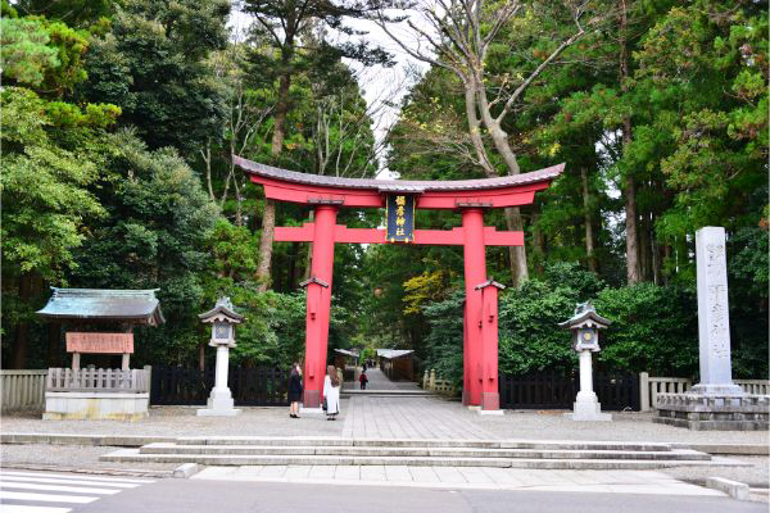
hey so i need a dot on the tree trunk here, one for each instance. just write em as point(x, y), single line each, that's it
point(54, 344)
point(474, 129)
point(202, 356)
point(518, 253)
point(21, 348)
point(281, 109)
point(644, 247)
point(588, 221)
point(291, 276)
point(538, 245)
point(266, 245)
point(632, 246)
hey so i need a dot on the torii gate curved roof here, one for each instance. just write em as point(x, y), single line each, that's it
point(291, 186)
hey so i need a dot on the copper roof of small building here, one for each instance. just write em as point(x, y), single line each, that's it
point(347, 352)
point(402, 186)
point(391, 354)
point(137, 306)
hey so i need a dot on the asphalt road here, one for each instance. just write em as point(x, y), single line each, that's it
point(191, 496)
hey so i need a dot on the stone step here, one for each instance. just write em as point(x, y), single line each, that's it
point(423, 443)
point(133, 456)
point(446, 452)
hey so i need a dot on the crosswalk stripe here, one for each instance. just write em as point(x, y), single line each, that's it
point(63, 481)
point(18, 508)
point(73, 476)
point(43, 497)
point(54, 488)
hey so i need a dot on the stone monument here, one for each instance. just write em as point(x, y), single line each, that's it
point(223, 319)
point(716, 403)
point(585, 325)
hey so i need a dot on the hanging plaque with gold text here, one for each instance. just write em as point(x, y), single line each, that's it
point(400, 214)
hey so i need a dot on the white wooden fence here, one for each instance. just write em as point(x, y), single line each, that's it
point(23, 389)
point(97, 380)
point(650, 387)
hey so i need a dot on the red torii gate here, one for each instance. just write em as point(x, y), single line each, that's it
point(327, 194)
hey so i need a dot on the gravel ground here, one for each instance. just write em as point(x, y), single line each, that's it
point(756, 476)
point(183, 421)
point(551, 425)
point(524, 425)
point(74, 457)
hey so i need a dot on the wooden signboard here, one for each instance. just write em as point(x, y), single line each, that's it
point(100, 343)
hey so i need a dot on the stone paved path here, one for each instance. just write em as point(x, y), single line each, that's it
point(618, 481)
point(379, 381)
point(411, 417)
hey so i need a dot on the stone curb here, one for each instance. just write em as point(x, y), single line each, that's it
point(95, 440)
point(186, 470)
point(140, 440)
point(90, 471)
point(735, 489)
point(733, 449)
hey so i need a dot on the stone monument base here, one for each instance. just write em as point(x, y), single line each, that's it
point(219, 404)
point(587, 408)
point(700, 412)
point(96, 406)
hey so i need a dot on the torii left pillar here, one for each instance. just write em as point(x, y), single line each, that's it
point(319, 300)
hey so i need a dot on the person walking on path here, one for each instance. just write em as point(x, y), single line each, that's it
point(295, 390)
point(363, 380)
point(332, 393)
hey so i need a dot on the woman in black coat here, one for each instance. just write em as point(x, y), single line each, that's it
point(295, 390)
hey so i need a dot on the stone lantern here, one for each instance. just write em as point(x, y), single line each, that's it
point(223, 320)
point(585, 325)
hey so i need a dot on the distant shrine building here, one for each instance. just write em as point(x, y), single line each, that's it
point(401, 198)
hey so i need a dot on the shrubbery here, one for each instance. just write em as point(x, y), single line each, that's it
point(654, 329)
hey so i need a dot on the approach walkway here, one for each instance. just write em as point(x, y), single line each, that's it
point(379, 381)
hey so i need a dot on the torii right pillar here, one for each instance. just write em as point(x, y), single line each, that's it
point(480, 330)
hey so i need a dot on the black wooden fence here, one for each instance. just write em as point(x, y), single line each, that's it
point(554, 390)
point(257, 386)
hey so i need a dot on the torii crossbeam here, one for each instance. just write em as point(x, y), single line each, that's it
point(328, 194)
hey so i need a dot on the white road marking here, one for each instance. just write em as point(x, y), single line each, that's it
point(54, 488)
point(74, 476)
point(63, 481)
point(42, 497)
point(18, 508)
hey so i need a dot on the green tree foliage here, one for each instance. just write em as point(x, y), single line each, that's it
point(154, 236)
point(153, 64)
point(46, 200)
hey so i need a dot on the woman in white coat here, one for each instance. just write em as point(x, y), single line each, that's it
point(332, 393)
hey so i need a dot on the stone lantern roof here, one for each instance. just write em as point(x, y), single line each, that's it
point(585, 317)
point(223, 311)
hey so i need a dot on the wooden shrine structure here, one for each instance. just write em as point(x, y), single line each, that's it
point(99, 393)
point(401, 198)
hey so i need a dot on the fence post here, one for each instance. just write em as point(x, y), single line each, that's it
point(148, 370)
point(425, 378)
point(644, 391)
point(432, 379)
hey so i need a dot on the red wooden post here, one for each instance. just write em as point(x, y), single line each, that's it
point(490, 395)
point(466, 370)
point(475, 273)
point(319, 298)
